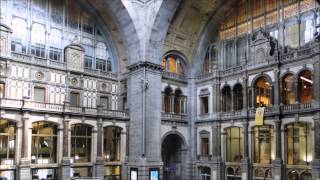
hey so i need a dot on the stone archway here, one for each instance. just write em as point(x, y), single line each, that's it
point(174, 153)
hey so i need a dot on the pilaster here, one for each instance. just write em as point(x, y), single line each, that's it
point(24, 172)
point(65, 162)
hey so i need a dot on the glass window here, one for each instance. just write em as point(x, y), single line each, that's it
point(204, 104)
point(167, 99)
point(299, 145)
point(204, 145)
point(292, 35)
point(38, 50)
point(55, 38)
point(177, 101)
point(7, 142)
point(44, 174)
point(7, 174)
point(80, 143)
point(81, 172)
point(233, 174)
point(234, 144)
point(173, 64)
point(263, 144)
point(38, 34)
point(55, 54)
point(101, 65)
point(262, 92)
point(74, 99)
point(305, 84)
point(204, 173)
point(104, 102)
point(101, 51)
point(88, 62)
point(237, 97)
point(39, 94)
point(112, 172)
point(19, 27)
point(2, 90)
point(306, 33)
point(226, 99)
point(112, 143)
point(109, 66)
point(288, 90)
point(44, 143)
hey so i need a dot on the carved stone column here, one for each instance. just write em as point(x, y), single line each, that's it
point(217, 162)
point(316, 153)
point(245, 161)
point(65, 162)
point(25, 162)
point(277, 163)
point(276, 91)
point(316, 79)
point(99, 165)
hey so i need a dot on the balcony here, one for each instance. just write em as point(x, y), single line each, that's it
point(174, 76)
point(59, 108)
point(296, 107)
point(204, 157)
point(174, 117)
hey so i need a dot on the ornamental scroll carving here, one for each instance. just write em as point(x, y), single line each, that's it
point(74, 57)
point(263, 48)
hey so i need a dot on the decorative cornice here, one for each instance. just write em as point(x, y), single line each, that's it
point(145, 64)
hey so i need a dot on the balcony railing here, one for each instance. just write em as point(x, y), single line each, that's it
point(174, 117)
point(39, 106)
point(295, 107)
point(171, 75)
point(204, 157)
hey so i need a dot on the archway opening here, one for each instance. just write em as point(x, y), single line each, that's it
point(173, 157)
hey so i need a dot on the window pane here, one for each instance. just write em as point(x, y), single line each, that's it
point(112, 143)
point(74, 99)
point(39, 94)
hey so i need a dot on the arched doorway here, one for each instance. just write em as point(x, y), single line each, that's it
point(173, 156)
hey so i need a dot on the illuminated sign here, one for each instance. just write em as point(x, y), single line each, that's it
point(133, 174)
point(154, 174)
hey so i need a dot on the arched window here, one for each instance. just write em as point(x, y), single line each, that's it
point(173, 63)
point(234, 144)
point(291, 32)
point(299, 143)
point(19, 36)
point(293, 175)
point(112, 143)
point(101, 51)
point(306, 28)
point(237, 97)
point(306, 176)
point(167, 99)
point(177, 101)
point(305, 84)
point(263, 144)
point(233, 174)
point(209, 60)
point(55, 45)
point(44, 143)
point(89, 52)
point(38, 34)
point(262, 92)
point(80, 143)
point(226, 99)
point(204, 173)
point(288, 89)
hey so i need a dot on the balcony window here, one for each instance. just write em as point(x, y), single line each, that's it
point(80, 143)
point(262, 92)
point(44, 143)
point(39, 94)
point(88, 62)
point(234, 144)
point(55, 54)
point(177, 101)
point(101, 65)
point(109, 66)
point(204, 104)
point(38, 50)
point(7, 142)
point(288, 89)
point(2, 90)
point(263, 144)
point(237, 97)
point(167, 99)
point(299, 143)
point(205, 146)
point(173, 63)
point(305, 87)
point(204, 173)
point(226, 99)
point(104, 102)
point(18, 47)
point(75, 99)
point(112, 143)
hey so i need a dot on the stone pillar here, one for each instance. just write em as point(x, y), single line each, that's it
point(217, 162)
point(276, 91)
point(25, 162)
point(65, 162)
point(245, 161)
point(277, 166)
point(316, 154)
point(316, 78)
point(216, 96)
point(245, 93)
point(144, 98)
point(99, 165)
